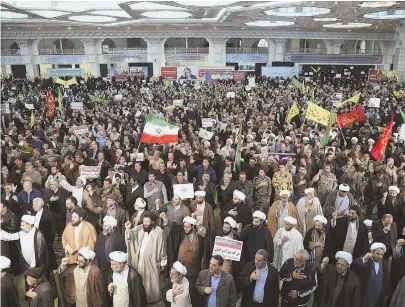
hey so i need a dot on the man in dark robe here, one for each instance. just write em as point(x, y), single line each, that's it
point(124, 292)
point(340, 286)
point(397, 270)
point(9, 223)
point(109, 240)
point(9, 294)
point(40, 293)
point(373, 274)
point(238, 209)
point(228, 231)
point(259, 282)
point(349, 234)
point(256, 236)
point(385, 231)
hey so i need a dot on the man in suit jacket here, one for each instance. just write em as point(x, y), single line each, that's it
point(9, 223)
point(385, 231)
point(134, 191)
point(55, 197)
point(246, 187)
point(259, 282)
point(12, 199)
point(217, 288)
point(45, 221)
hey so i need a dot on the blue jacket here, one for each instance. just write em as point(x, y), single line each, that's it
point(200, 172)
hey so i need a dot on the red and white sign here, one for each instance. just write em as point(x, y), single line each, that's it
point(168, 72)
point(372, 75)
point(89, 171)
point(202, 71)
point(238, 76)
point(81, 130)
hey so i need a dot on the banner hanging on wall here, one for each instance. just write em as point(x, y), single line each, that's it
point(168, 73)
point(132, 72)
point(187, 73)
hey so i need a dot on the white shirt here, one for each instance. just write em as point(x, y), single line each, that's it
point(38, 218)
point(121, 294)
point(26, 242)
point(77, 232)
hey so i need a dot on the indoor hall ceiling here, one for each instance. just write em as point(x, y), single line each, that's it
point(282, 15)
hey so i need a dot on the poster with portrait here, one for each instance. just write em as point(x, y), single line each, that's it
point(187, 73)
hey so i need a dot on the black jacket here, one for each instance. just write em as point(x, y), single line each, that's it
point(389, 239)
point(47, 227)
point(11, 223)
point(326, 249)
point(271, 287)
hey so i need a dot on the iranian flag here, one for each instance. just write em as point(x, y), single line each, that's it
point(159, 131)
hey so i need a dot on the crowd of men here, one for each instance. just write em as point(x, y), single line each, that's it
point(318, 227)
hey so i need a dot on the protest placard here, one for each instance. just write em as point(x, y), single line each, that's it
point(230, 95)
point(207, 122)
point(29, 106)
point(184, 190)
point(81, 130)
point(374, 103)
point(178, 102)
point(76, 105)
point(89, 172)
point(227, 248)
point(205, 134)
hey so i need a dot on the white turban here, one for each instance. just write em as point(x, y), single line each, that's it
point(378, 245)
point(190, 220)
point(230, 141)
point(110, 220)
point(321, 218)
point(285, 192)
point(305, 138)
point(119, 256)
point(5, 263)
point(207, 143)
point(354, 139)
point(291, 220)
point(344, 187)
point(259, 215)
point(309, 190)
point(287, 138)
point(371, 141)
point(345, 256)
point(180, 268)
point(200, 193)
point(30, 219)
point(239, 195)
point(230, 221)
point(87, 253)
point(368, 223)
point(82, 179)
point(394, 188)
point(140, 203)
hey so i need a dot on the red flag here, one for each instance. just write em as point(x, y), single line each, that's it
point(379, 149)
point(50, 105)
point(348, 119)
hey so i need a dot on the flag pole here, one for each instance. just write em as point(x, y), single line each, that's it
point(341, 132)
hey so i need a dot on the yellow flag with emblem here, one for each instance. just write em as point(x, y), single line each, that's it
point(294, 111)
point(60, 100)
point(317, 114)
point(354, 99)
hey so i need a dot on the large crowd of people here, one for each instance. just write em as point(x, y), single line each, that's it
point(310, 224)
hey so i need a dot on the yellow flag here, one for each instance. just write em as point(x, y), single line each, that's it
point(298, 85)
point(294, 111)
point(354, 99)
point(60, 100)
point(32, 124)
point(398, 94)
point(60, 81)
point(317, 114)
point(71, 81)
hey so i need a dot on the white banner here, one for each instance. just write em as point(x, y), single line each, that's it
point(227, 248)
point(205, 134)
point(230, 95)
point(81, 130)
point(285, 72)
point(5, 108)
point(89, 171)
point(29, 106)
point(184, 190)
point(137, 156)
point(207, 122)
point(374, 103)
point(76, 105)
point(118, 97)
point(252, 82)
point(178, 102)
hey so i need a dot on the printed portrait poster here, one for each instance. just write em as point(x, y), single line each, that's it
point(187, 73)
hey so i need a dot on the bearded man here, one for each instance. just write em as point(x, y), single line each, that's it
point(279, 210)
point(307, 208)
point(389, 202)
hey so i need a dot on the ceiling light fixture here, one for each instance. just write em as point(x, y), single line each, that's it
point(269, 23)
point(391, 14)
point(99, 28)
point(340, 25)
point(166, 15)
point(12, 15)
point(205, 3)
point(49, 14)
point(69, 28)
point(111, 13)
point(297, 11)
point(143, 6)
point(326, 19)
point(92, 18)
point(374, 4)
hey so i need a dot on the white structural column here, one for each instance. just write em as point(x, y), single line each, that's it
point(400, 48)
point(91, 49)
point(387, 50)
point(217, 51)
point(337, 44)
point(156, 53)
point(329, 46)
point(279, 44)
point(26, 52)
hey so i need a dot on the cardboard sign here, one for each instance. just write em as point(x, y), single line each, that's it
point(207, 122)
point(29, 106)
point(230, 95)
point(89, 172)
point(227, 248)
point(184, 191)
point(178, 102)
point(337, 76)
point(374, 103)
point(118, 97)
point(311, 73)
point(76, 105)
point(205, 134)
point(81, 130)
point(252, 82)
point(248, 88)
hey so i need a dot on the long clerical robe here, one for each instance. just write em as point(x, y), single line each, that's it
point(274, 216)
point(87, 236)
point(9, 294)
point(286, 250)
point(306, 211)
point(182, 300)
point(147, 254)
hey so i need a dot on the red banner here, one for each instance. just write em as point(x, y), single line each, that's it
point(238, 76)
point(348, 119)
point(50, 105)
point(202, 71)
point(168, 72)
point(379, 149)
point(372, 75)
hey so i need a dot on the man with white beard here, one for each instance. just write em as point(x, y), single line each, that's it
point(307, 208)
point(76, 190)
point(287, 242)
point(177, 290)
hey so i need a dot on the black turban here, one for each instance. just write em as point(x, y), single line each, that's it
point(80, 212)
point(150, 215)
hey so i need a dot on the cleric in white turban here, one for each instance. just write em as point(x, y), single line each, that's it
point(279, 210)
point(307, 208)
point(9, 294)
point(287, 241)
point(178, 293)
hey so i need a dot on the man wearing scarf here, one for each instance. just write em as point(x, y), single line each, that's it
point(146, 247)
point(279, 210)
point(307, 208)
point(316, 241)
point(348, 234)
